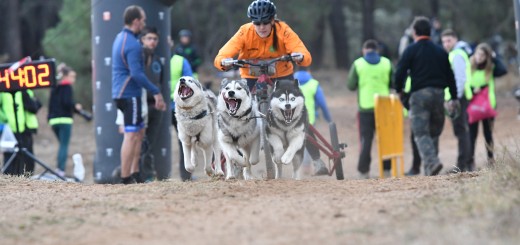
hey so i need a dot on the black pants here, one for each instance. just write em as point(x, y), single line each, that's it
point(461, 131)
point(21, 164)
point(367, 128)
point(185, 175)
point(416, 161)
point(147, 168)
point(487, 125)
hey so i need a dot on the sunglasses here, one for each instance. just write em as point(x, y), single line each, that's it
point(265, 22)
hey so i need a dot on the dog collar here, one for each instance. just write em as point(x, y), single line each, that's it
point(200, 116)
point(245, 113)
point(186, 107)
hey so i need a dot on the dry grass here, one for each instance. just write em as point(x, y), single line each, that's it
point(483, 208)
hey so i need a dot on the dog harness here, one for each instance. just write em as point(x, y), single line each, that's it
point(200, 115)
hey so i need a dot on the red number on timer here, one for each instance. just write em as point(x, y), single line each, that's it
point(29, 76)
point(43, 75)
point(29, 82)
point(4, 78)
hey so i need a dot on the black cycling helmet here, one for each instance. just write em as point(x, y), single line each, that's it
point(184, 33)
point(261, 10)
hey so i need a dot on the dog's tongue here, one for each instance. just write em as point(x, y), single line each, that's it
point(288, 114)
point(185, 91)
point(232, 104)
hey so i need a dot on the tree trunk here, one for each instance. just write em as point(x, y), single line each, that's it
point(13, 40)
point(316, 44)
point(339, 34)
point(368, 19)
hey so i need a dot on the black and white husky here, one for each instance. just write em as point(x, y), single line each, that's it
point(238, 127)
point(196, 124)
point(287, 122)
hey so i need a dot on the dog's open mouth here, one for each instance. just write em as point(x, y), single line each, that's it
point(288, 115)
point(185, 91)
point(232, 105)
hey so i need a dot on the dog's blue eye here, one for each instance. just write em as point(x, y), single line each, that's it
point(293, 99)
point(239, 88)
point(282, 99)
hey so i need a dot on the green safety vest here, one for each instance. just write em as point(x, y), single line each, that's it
point(309, 92)
point(407, 88)
point(26, 120)
point(31, 121)
point(374, 79)
point(478, 79)
point(176, 64)
point(467, 87)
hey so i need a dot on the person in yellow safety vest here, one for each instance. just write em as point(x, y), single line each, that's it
point(484, 69)
point(314, 98)
point(458, 57)
point(370, 75)
point(179, 66)
point(20, 110)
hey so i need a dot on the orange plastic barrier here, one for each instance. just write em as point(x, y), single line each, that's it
point(389, 132)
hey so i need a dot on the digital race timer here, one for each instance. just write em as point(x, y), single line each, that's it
point(29, 75)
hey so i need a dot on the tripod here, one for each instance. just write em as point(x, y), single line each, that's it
point(22, 150)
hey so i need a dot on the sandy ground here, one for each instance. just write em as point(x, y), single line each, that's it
point(206, 211)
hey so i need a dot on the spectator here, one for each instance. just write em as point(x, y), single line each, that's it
point(20, 111)
point(155, 72)
point(370, 75)
point(61, 110)
point(314, 99)
point(484, 69)
point(188, 50)
point(405, 41)
point(430, 72)
point(462, 70)
point(179, 66)
point(436, 31)
point(128, 79)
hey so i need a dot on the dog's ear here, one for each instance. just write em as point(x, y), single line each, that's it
point(296, 83)
point(243, 81)
point(223, 82)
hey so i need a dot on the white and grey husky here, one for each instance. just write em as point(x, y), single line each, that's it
point(238, 127)
point(196, 124)
point(287, 122)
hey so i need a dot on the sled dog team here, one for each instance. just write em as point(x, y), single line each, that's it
point(231, 124)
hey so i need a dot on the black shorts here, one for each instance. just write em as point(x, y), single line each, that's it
point(132, 113)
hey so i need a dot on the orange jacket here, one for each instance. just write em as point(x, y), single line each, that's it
point(248, 45)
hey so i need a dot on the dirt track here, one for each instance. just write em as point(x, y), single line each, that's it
point(313, 210)
point(217, 212)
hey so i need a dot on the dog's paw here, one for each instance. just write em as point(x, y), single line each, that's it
point(277, 159)
point(189, 168)
point(230, 177)
point(209, 171)
point(219, 173)
point(287, 158)
point(238, 160)
point(248, 177)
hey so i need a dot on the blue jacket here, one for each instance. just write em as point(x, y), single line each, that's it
point(128, 77)
point(303, 77)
